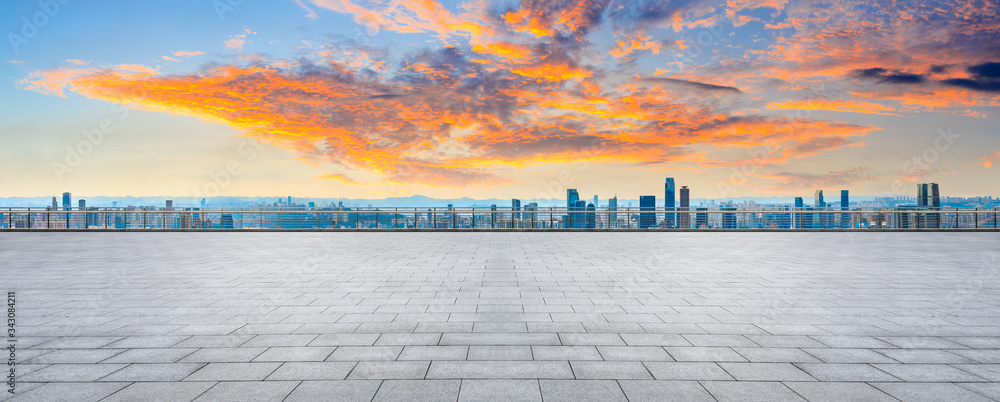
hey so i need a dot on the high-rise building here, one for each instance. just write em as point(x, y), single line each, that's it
point(728, 219)
point(493, 215)
point(669, 202)
point(572, 196)
point(226, 222)
point(928, 197)
point(55, 204)
point(169, 205)
point(797, 217)
point(67, 201)
point(515, 207)
point(595, 201)
point(683, 218)
point(591, 216)
point(289, 200)
point(820, 219)
point(578, 215)
point(647, 219)
point(203, 203)
point(845, 204)
point(530, 216)
point(612, 215)
point(83, 205)
point(701, 220)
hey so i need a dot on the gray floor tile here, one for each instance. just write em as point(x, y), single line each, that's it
point(500, 390)
point(248, 391)
point(928, 373)
point(938, 392)
point(750, 391)
point(434, 353)
point(591, 370)
point(160, 392)
point(69, 392)
point(696, 371)
point(565, 353)
point(499, 370)
point(766, 372)
point(645, 390)
point(500, 353)
point(310, 371)
point(581, 390)
point(350, 390)
point(154, 372)
point(381, 370)
point(414, 390)
point(845, 372)
point(838, 391)
point(233, 372)
point(294, 354)
point(365, 353)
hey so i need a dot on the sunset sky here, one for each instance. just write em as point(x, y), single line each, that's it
point(482, 98)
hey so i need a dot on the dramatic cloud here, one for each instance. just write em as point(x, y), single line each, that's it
point(796, 183)
point(506, 85)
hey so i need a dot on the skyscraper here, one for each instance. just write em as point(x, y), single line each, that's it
point(595, 201)
point(845, 203)
point(572, 196)
point(169, 205)
point(289, 200)
point(83, 205)
point(820, 219)
point(532, 215)
point(701, 220)
point(797, 218)
point(578, 215)
point(728, 219)
point(515, 207)
point(591, 216)
point(684, 218)
point(928, 197)
point(55, 204)
point(669, 202)
point(67, 201)
point(612, 216)
point(647, 219)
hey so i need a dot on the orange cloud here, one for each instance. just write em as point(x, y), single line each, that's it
point(336, 177)
point(987, 160)
point(836, 105)
point(181, 53)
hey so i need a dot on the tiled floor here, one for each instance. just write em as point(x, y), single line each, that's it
point(505, 316)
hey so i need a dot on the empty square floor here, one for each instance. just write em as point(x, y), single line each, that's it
point(467, 316)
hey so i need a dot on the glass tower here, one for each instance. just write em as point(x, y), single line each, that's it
point(647, 219)
point(668, 201)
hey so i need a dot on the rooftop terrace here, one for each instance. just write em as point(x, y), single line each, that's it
point(462, 316)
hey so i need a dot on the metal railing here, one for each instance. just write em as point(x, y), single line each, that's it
point(486, 218)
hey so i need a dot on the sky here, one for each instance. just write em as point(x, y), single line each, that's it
point(498, 98)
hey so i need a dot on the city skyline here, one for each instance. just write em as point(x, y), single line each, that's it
point(927, 195)
point(484, 99)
